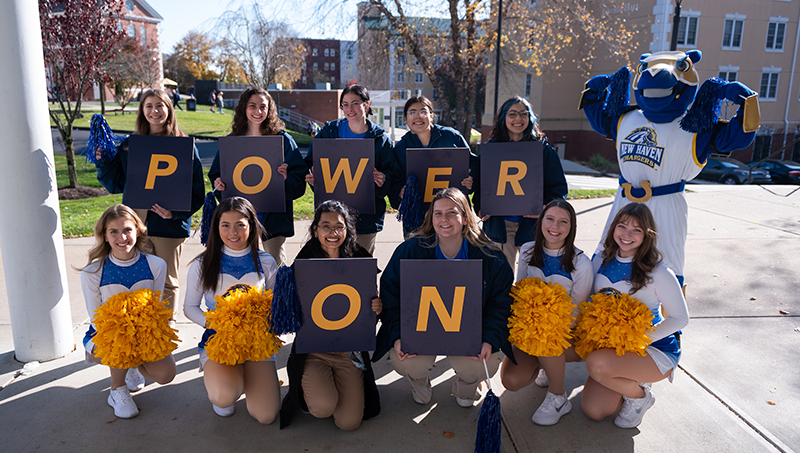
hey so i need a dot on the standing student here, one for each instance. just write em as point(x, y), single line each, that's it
point(552, 257)
point(118, 263)
point(516, 122)
point(631, 263)
point(338, 384)
point(232, 258)
point(220, 102)
point(355, 105)
point(167, 230)
point(423, 133)
point(256, 115)
point(449, 231)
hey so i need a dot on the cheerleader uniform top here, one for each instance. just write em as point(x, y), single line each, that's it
point(577, 283)
point(104, 278)
point(663, 292)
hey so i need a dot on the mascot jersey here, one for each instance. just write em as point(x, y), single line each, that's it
point(236, 268)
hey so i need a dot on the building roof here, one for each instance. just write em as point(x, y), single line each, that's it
point(149, 10)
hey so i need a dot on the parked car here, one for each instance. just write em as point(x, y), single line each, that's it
point(782, 171)
point(727, 170)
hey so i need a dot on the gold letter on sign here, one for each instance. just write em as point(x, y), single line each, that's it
point(430, 296)
point(505, 178)
point(154, 171)
point(237, 175)
point(432, 184)
point(350, 181)
point(316, 307)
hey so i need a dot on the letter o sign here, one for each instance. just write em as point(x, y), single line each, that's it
point(244, 163)
point(316, 307)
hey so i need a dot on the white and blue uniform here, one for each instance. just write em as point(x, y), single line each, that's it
point(577, 283)
point(663, 291)
point(104, 278)
point(236, 268)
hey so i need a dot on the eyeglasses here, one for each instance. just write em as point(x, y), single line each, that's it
point(327, 229)
point(354, 104)
point(414, 113)
point(513, 114)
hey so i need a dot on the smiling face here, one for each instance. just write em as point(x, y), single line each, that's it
point(629, 236)
point(331, 232)
point(155, 112)
point(418, 118)
point(354, 108)
point(257, 109)
point(556, 226)
point(517, 121)
point(121, 236)
point(448, 221)
point(234, 230)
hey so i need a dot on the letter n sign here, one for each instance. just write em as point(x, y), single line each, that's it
point(249, 168)
point(511, 178)
point(336, 296)
point(159, 172)
point(343, 170)
point(441, 306)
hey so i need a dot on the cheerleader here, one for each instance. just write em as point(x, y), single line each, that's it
point(232, 257)
point(118, 263)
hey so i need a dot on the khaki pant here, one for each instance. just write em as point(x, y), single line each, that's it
point(367, 241)
point(333, 385)
point(509, 249)
point(275, 248)
point(469, 373)
point(169, 250)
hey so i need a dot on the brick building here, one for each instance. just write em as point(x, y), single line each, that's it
point(322, 65)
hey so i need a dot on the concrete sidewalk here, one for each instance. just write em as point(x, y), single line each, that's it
point(737, 389)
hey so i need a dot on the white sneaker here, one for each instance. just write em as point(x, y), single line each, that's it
point(134, 380)
point(552, 409)
point(120, 399)
point(415, 396)
point(224, 411)
point(465, 402)
point(541, 379)
point(633, 409)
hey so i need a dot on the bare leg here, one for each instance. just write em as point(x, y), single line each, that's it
point(555, 369)
point(521, 375)
point(598, 402)
point(262, 392)
point(162, 371)
point(224, 383)
point(117, 374)
point(623, 374)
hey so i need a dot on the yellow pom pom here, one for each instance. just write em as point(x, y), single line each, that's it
point(240, 319)
point(615, 321)
point(133, 328)
point(541, 315)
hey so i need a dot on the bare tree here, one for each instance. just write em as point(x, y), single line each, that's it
point(134, 66)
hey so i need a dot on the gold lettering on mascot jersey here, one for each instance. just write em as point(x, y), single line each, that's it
point(641, 145)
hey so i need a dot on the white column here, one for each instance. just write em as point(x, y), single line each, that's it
point(30, 222)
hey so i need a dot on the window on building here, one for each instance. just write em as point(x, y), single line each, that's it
point(732, 35)
point(418, 92)
point(131, 31)
point(418, 77)
point(528, 81)
point(349, 67)
point(349, 54)
point(305, 66)
point(333, 52)
point(316, 66)
point(776, 32)
point(305, 80)
point(401, 60)
point(399, 119)
point(333, 66)
point(728, 76)
point(325, 52)
point(314, 52)
point(769, 84)
point(416, 62)
point(129, 5)
point(143, 36)
point(327, 66)
point(401, 77)
point(435, 95)
point(333, 80)
point(403, 94)
point(762, 146)
point(687, 31)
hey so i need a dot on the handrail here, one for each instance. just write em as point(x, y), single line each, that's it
point(750, 173)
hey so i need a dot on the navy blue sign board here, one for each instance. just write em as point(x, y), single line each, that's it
point(512, 181)
point(343, 170)
point(436, 169)
point(249, 168)
point(159, 172)
point(336, 295)
point(441, 307)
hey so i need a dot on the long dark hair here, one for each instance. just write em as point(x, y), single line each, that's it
point(211, 257)
point(537, 253)
point(647, 255)
point(347, 248)
point(500, 130)
point(272, 124)
point(360, 91)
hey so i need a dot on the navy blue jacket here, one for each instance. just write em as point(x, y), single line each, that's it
point(112, 174)
point(441, 137)
point(555, 186)
point(279, 223)
point(497, 280)
point(384, 163)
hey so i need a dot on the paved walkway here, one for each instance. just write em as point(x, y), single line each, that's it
point(737, 389)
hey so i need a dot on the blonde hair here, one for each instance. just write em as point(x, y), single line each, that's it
point(101, 248)
point(171, 128)
point(471, 230)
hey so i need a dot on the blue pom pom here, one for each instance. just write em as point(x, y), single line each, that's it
point(102, 143)
point(286, 314)
point(410, 211)
point(704, 113)
point(209, 205)
point(489, 425)
point(619, 97)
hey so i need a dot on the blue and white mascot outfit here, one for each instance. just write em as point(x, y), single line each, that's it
point(660, 145)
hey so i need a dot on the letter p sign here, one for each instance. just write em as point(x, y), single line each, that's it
point(155, 169)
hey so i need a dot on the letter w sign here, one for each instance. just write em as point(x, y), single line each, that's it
point(343, 171)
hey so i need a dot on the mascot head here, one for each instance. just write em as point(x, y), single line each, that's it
point(665, 84)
